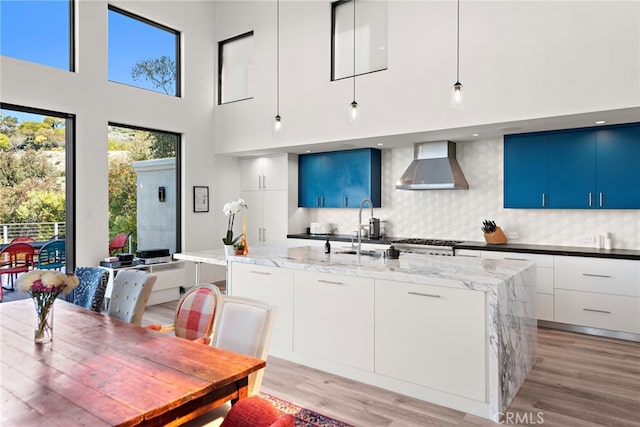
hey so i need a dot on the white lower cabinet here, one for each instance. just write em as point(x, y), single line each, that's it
point(613, 312)
point(599, 293)
point(274, 286)
point(333, 318)
point(169, 277)
point(433, 336)
point(545, 278)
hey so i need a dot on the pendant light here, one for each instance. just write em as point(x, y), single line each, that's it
point(456, 95)
point(354, 114)
point(277, 120)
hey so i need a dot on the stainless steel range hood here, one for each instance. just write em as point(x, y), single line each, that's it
point(434, 168)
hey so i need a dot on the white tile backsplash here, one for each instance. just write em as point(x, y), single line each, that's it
point(458, 214)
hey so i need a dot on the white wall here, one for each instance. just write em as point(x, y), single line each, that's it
point(519, 60)
point(95, 101)
point(458, 214)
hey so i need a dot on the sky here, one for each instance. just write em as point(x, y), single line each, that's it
point(38, 31)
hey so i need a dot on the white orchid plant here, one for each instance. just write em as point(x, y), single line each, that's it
point(230, 209)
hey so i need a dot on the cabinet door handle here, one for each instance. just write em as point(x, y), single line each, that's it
point(543, 200)
point(590, 199)
point(346, 201)
point(424, 295)
point(259, 181)
point(601, 199)
point(330, 282)
point(468, 256)
point(517, 259)
point(597, 311)
point(596, 275)
point(264, 181)
point(264, 234)
point(264, 273)
point(322, 201)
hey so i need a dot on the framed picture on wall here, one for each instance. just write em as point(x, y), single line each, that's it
point(200, 199)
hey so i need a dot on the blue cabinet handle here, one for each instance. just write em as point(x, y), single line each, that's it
point(601, 199)
point(591, 200)
point(543, 200)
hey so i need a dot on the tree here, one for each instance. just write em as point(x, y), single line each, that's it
point(25, 178)
point(8, 125)
point(161, 72)
point(164, 146)
point(122, 197)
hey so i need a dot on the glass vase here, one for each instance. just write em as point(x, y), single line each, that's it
point(43, 333)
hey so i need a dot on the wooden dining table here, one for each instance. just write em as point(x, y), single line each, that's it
point(101, 371)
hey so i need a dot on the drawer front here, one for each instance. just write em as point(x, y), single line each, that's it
point(606, 276)
point(613, 312)
point(412, 320)
point(544, 307)
point(540, 260)
point(467, 253)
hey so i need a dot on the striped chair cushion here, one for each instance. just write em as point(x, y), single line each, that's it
point(194, 318)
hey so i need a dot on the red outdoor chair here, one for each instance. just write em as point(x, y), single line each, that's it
point(118, 243)
point(23, 239)
point(15, 258)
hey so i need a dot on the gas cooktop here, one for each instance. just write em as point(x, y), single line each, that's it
point(428, 242)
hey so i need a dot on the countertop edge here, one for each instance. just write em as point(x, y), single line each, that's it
point(580, 251)
point(585, 252)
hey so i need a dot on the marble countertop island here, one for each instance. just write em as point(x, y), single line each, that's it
point(510, 288)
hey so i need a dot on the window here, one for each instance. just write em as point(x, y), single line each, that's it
point(370, 33)
point(143, 54)
point(38, 31)
point(235, 68)
point(37, 176)
point(144, 187)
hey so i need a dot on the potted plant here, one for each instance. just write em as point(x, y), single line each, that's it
point(238, 247)
point(230, 209)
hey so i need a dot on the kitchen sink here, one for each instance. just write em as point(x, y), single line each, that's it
point(373, 254)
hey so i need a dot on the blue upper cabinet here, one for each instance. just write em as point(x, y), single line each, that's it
point(618, 167)
point(339, 179)
point(320, 180)
point(526, 171)
point(361, 177)
point(596, 168)
point(571, 169)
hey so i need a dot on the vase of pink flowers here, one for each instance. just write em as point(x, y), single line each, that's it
point(44, 286)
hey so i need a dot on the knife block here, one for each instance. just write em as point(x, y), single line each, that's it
point(496, 238)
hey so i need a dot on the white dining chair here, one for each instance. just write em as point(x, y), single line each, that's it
point(130, 294)
point(243, 326)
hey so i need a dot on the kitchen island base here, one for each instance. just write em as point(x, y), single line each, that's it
point(460, 333)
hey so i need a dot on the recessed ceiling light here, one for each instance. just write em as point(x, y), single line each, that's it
point(379, 143)
point(307, 151)
point(601, 122)
point(475, 134)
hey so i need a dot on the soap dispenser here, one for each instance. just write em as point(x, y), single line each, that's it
point(327, 247)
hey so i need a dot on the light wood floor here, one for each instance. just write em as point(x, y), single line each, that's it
point(578, 380)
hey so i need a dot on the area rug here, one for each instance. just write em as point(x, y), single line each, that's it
point(304, 417)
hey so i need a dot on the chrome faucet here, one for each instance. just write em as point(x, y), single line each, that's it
point(360, 223)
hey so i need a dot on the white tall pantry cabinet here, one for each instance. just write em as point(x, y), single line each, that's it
point(265, 184)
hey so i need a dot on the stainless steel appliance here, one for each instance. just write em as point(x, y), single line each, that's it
point(426, 246)
point(434, 168)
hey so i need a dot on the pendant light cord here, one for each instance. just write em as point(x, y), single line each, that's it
point(278, 57)
point(458, 47)
point(354, 50)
